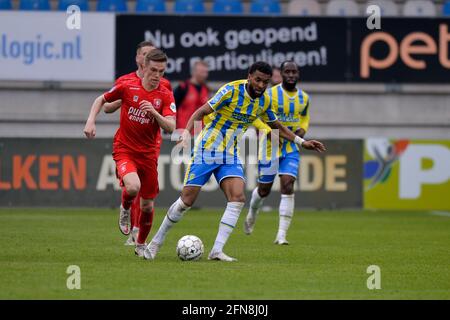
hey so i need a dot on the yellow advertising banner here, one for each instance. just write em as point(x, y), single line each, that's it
point(407, 174)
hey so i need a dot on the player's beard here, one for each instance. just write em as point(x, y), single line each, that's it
point(253, 93)
point(290, 86)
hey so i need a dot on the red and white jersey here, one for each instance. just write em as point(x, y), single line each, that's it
point(139, 132)
point(132, 77)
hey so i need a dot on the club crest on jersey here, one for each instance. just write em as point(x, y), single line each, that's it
point(157, 103)
point(135, 98)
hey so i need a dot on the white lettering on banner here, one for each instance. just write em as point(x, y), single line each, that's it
point(233, 39)
point(268, 37)
point(107, 175)
point(48, 52)
point(412, 176)
point(177, 176)
point(233, 61)
point(174, 65)
point(200, 39)
point(161, 40)
point(163, 160)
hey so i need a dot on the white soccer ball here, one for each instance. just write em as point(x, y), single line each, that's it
point(190, 248)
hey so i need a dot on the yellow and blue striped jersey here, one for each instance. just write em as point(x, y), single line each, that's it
point(292, 110)
point(234, 112)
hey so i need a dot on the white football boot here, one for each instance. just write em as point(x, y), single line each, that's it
point(219, 255)
point(124, 221)
point(249, 224)
point(151, 250)
point(131, 241)
point(139, 249)
point(281, 241)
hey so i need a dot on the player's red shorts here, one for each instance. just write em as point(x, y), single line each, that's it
point(146, 168)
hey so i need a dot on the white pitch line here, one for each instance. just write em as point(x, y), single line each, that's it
point(440, 213)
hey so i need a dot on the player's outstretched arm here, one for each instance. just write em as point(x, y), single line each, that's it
point(198, 115)
point(112, 107)
point(289, 135)
point(89, 128)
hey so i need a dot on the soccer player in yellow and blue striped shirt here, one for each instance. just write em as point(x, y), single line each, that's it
point(292, 107)
point(234, 108)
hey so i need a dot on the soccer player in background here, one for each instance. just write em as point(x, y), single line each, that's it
point(142, 49)
point(276, 77)
point(191, 94)
point(146, 108)
point(235, 106)
point(292, 107)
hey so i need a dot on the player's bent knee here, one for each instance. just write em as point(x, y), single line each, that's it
point(263, 192)
point(147, 208)
point(132, 189)
point(187, 200)
point(287, 189)
point(237, 198)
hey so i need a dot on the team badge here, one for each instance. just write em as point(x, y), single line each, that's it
point(135, 98)
point(173, 107)
point(157, 103)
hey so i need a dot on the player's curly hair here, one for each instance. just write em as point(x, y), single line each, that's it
point(260, 66)
point(155, 55)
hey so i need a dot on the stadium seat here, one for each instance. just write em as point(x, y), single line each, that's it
point(342, 8)
point(5, 5)
point(446, 9)
point(419, 8)
point(388, 7)
point(64, 4)
point(227, 6)
point(34, 5)
point(112, 5)
point(189, 6)
point(265, 7)
point(303, 8)
point(150, 6)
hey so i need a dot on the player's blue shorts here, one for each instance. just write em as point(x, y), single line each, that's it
point(199, 173)
point(285, 165)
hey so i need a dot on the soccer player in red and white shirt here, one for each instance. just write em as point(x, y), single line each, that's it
point(143, 48)
point(146, 108)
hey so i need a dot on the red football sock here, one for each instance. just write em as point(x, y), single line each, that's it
point(127, 200)
point(135, 211)
point(145, 225)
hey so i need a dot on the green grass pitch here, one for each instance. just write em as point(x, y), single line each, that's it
point(327, 259)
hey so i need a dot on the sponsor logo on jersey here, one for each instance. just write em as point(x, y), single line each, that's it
point(242, 117)
point(288, 117)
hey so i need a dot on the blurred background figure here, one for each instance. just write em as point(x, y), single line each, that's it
point(276, 77)
point(192, 93)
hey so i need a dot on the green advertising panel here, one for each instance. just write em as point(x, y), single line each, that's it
point(407, 174)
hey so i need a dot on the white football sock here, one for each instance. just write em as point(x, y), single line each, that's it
point(255, 204)
point(286, 213)
point(227, 224)
point(174, 214)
